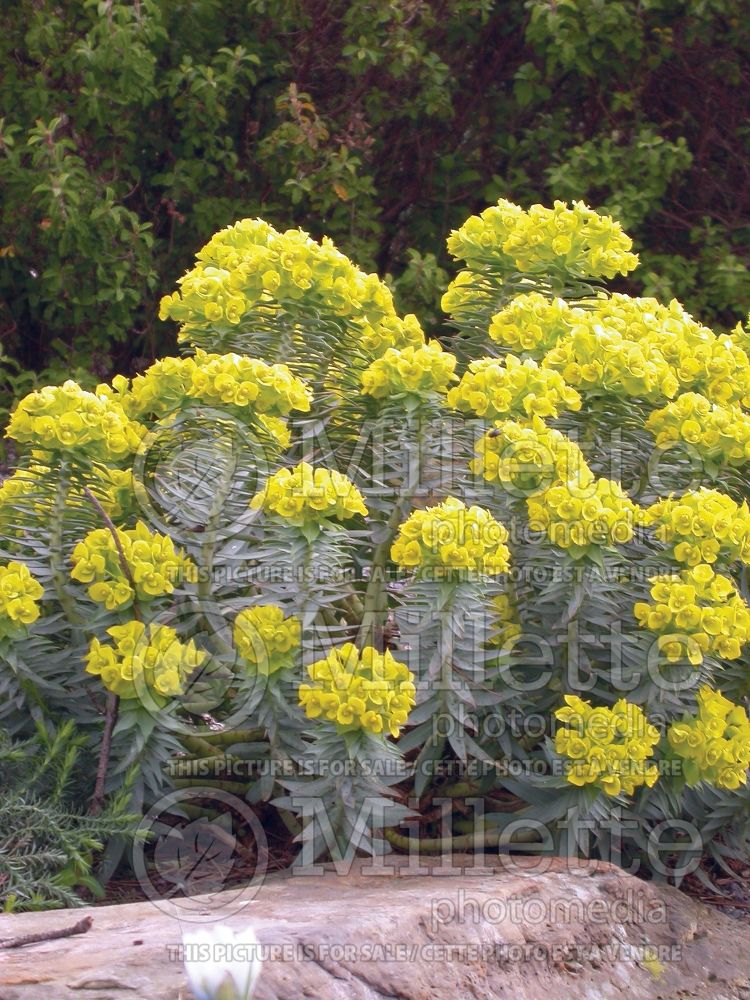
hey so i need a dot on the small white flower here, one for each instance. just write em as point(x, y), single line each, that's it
point(222, 964)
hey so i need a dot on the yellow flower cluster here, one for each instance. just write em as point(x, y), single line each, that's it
point(609, 748)
point(19, 593)
point(620, 343)
point(21, 494)
point(359, 690)
point(695, 611)
point(627, 344)
point(452, 537)
point(720, 434)
point(702, 526)
point(723, 371)
point(235, 380)
point(392, 331)
point(573, 239)
point(304, 495)
point(506, 626)
point(67, 418)
point(526, 458)
point(152, 560)
point(218, 380)
point(161, 389)
point(416, 371)
point(144, 656)
point(716, 366)
point(575, 516)
point(597, 357)
point(467, 291)
point(481, 237)
point(26, 495)
point(277, 429)
point(715, 743)
point(251, 263)
point(494, 389)
point(637, 318)
point(532, 324)
point(265, 638)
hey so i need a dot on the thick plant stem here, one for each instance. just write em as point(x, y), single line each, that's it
point(201, 746)
point(467, 842)
point(353, 606)
point(375, 603)
point(233, 787)
point(462, 789)
point(442, 659)
point(304, 595)
point(68, 605)
point(207, 553)
point(218, 737)
point(191, 758)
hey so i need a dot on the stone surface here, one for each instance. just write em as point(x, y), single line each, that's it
point(521, 929)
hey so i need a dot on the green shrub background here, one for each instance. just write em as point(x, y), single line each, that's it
point(129, 131)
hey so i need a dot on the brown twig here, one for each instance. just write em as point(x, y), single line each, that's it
point(725, 901)
point(115, 538)
point(18, 942)
point(110, 719)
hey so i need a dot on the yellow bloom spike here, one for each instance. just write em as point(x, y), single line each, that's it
point(714, 744)
point(527, 458)
point(702, 527)
point(365, 690)
point(716, 366)
point(154, 564)
point(695, 612)
point(19, 594)
point(720, 434)
point(251, 264)
point(68, 419)
point(144, 658)
point(574, 239)
point(413, 371)
point(305, 495)
point(222, 380)
point(595, 357)
point(576, 516)
point(266, 639)
point(609, 748)
point(532, 324)
point(627, 345)
point(497, 389)
point(451, 539)
point(391, 332)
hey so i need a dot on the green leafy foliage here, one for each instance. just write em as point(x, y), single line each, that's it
point(321, 564)
point(48, 846)
point(128, 131)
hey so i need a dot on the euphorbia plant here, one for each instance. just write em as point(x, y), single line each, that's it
point(381, 563)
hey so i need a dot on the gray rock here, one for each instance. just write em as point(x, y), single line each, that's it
point(444, 929)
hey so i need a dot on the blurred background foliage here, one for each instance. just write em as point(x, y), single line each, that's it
point(131, 131)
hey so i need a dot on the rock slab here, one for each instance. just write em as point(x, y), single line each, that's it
point(448, 929)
